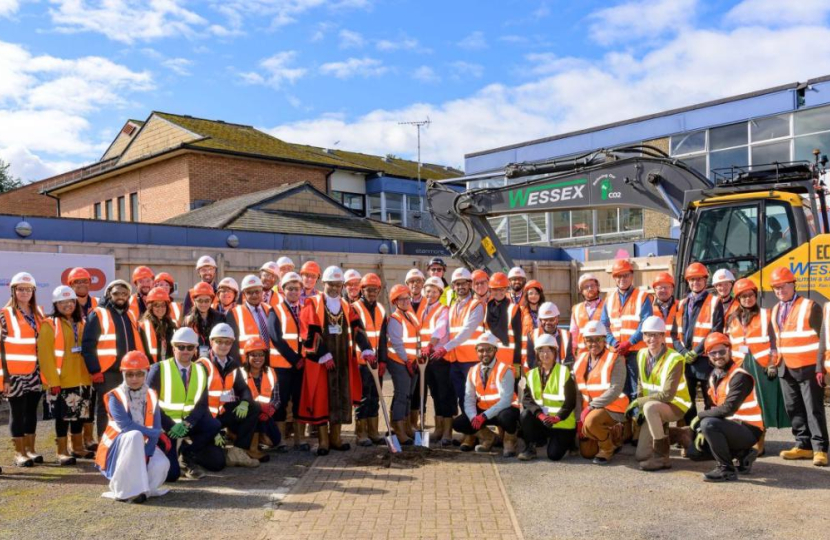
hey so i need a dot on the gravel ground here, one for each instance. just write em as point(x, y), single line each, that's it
point(575, 499)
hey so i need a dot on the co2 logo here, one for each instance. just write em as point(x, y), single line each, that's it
point(97, 282)
point(614, 195)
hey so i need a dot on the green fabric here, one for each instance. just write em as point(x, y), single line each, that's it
point(768, 393)
point(553, 397)
point(175, 403)
point(656, 382)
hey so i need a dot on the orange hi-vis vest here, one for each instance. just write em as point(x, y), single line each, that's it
point(563, 338)
point(372, 323)
point(506, 352)
point(733, 307)
point(487, 395)
point(248, 326)
point(704, 323)
point(133, 307)
point(750, 411)
point(176, 313)
point(580, 318)
point(146, 328)
point(112, 431)
point(20, 343)
point(625, 319)
point(464, 352)
point(797, 342)
point(107, 348)
point(752, 338)
point(411, 336)
point(669, 319)
point(290, 334)
point(60, 343)
point(429, 319)
point(216, 385)
point(267, 384)
point(827, 338)
point(596, 382)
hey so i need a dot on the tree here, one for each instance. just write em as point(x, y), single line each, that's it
point(8, 182)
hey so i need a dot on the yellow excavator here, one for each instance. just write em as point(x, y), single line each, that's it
point(749, 220)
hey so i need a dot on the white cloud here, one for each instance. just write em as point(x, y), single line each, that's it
point(178, 65)
point(322, 30)
point(281, 12)
point(641, 20)
point(466, 70)
point(474, 41)
point(425, 74)
point(29, 166)
point(9, 7)
point(777, 13)
point(351, 40)
point(402, 44)
point(278, 70)
point(354, 67)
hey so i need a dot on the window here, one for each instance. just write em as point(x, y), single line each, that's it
point(352, 201)
point(394, 208)
point(518, 229)
point(698, 163)
point(607, 222)
point(375, 211)
point(133, 206)
point(631, 219)
point(560, 223)
point(499, 225)
point(537, 229)
point(109, 214)
point(812, 120)
point(779, 231)
point(727, 237)
point(122, 208)
point(736, 157)
point(582, 223)
point(804, 146)
point(728, 136)
point(770, 153)
point(774, 127)
point(97, 210)
point(687, 143)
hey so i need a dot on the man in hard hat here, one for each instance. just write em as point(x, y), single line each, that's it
point(590, 309)
point(489, 400)
point(664, 305)
point(625, 310)
point(206, 268)
point(269, 273)
point(600, 377)
point(723, 280)
point(437, 268)
point(481, 286)
point(796, 322)
point(503, 319)
point(80, 280)
point(518, 279)
point(250, 316)
point(310, 273)
point(415, 281)
point(548, 325)
point(331, 379)
point(548, 400)
point(698, 315)
point(111, 331)
point(143, 279)
point(662, 396)
point(352, 286)
point(182, 387)
point(285, 265)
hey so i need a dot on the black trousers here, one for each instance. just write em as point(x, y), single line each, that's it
point(369, 401)
point(111, 380)
point(244, 428)
point(440, 388)
point(727, 439)
point(508, 420)
point(558, 441)
point(290, 382)
point(693, 383)
point(804, 402)
point(62, 427)
point(202, 449)
point(23, 418)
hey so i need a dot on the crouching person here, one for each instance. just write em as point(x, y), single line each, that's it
point(128, 454)
point(489, 400)
point(548, 400)
point(263, 384)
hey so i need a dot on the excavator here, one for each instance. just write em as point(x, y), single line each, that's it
point(749, 220)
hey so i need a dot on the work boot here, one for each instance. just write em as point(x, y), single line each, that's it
point(486, 439)
point(529, 453)
point(745, 462)
point(282, 446)
point(322, 440)
point(659, 456)
point(373, 434)
point(20, 457)
point(265, 443)
point(415, 420)
point(298, 430)
point(79, 450)
point(438, 430)
point(446, 438)
point(407, 424)
point(336, 443)
point(237, 457)
point(399, 428)
point(254, 452)
point(189, 468)
point(820, 459)
point(30, 449)
point(720, 474)
point(468, 443)
point(63, 454)
point(361, 432)
point(89, 438)
point(759, 446)
point(510, 440)
point(797, 453)
point(682, 437)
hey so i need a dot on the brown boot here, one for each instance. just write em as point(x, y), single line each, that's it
point(415, 420)
point(759, 446)
point(282, 427)
point(79, 451)
point(30, 449)
point(372, 430)
point(399, 428)
point(446, 438)
point(336, 442)
point(486, 439)
point(254, 452)
point(510, 440)
point(20, 457)
point(322, 440)
point(89, 438)
point(438, 430)
point(361, 432)
point(63, 455)
point(659, 456)
point(407, 424)
point(680, 436)
point(468, 443)
point(299, 431)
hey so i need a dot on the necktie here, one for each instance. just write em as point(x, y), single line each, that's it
point(260, 321)
point(785, 310)
point(295, 310)
point(184, 378)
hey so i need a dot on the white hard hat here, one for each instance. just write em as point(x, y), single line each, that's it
point(228, 282)
point(487, 338)
point(516, 272)
point(435, 282)
point(62, 293)
point(23, 278)
point(205, 260)
point(185, 335)
point(414, 273)
point(285, 261)
point(333, 274)
point(461, 274)
point(222, 330)
point(722, 276)
point(548, 310)
point(351, 275)
point(585, 277)
point(251, 281)
point(289, 277)
point(594, 329)
point(271, 267)
point(654, 324)
point(117, 283)
point(546, 340)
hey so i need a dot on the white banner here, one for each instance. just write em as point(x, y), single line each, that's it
point(50, 270)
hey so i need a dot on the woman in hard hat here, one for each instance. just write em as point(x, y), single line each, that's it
point(132, 450)
point(165, 282)
point(157, 326)
point(734, 423)
point(69, 383)
point(227, 294)
point(404, 352)
point(262, 382)
point(588, 310)
point(203, 318)
point(206, 268)
point(754, 349)
point(20, 321)
point(435, 322)
point(723, 281)
point(481, 286)
point(548, 401)
point(534, 296)
point(352, 286)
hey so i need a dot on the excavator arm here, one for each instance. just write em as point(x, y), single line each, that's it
point(631, 177)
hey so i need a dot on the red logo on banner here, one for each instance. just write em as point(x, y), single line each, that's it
point(97, 283)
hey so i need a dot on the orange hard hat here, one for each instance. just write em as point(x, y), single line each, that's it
point(396, 292)
point(255, 343)
point(202, 289)
point(621, 266)
point(480, 275)
point(77, 273)
point(533, 284)
point(311, 267)
point(714, 339)
point(662, 277)
point(744, 285)
point(157, 294)
point(135, 360)
point(499, 281)
point(696, 270)
point(781, 276)
point(370, 280)
point(164, 276)
point(142, 272)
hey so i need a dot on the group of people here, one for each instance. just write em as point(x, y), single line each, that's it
point(242, 369)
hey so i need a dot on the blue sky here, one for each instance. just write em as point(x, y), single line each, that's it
point(344, 72)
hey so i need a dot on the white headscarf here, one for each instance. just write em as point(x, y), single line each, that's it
point(137, 400)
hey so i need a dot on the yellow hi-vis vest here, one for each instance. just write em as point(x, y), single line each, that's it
point(175, 402)
point(656, 382)
point(552, 397)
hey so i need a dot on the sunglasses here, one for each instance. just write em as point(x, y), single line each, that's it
point(186, 347)
point(718, 354)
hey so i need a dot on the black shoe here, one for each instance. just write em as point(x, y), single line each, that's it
point(600, 461)
point(408, 442)
point(264, 459)
point(322, 451)
point(720, 475)
point(745, 462)
point(302, 447)
point(138, 499)
point(456, 442)
point(342, 448)
point(466, 448)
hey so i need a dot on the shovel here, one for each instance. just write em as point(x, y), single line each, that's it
point(392, 441)
point(422, 436)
